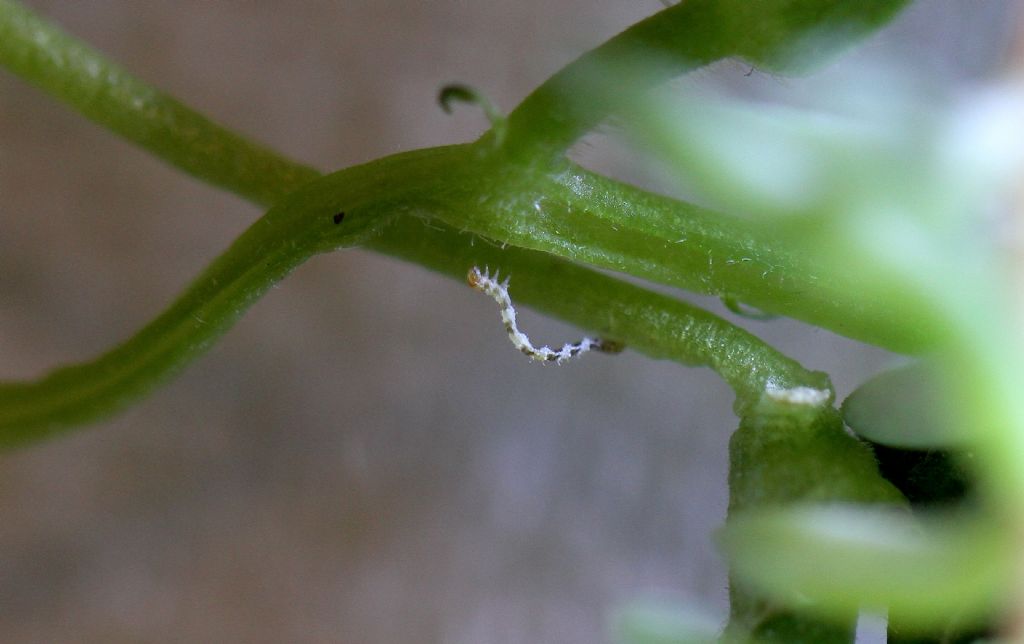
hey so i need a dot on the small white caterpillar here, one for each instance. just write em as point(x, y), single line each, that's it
point(482, 281)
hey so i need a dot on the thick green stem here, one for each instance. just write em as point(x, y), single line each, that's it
point(383, 203)
point(784, 455)
point(656, 325)
point(780, 35)
point(570, 212)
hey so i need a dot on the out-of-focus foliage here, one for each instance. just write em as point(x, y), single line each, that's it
point(897, 198)
point(868, 214)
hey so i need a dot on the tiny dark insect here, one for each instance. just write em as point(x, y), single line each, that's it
point(338, 217)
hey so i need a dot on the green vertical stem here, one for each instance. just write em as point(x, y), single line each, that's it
point(783, 455)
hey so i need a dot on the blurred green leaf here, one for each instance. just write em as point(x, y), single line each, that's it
point(795, 36)
point(657, 622)
point(831, 560)
point(783, 454)
point(906, 407)
point(785, 36)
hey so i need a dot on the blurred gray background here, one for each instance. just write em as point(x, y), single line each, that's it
point(364, 458)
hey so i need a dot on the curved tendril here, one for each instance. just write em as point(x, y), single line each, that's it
point(467, 94)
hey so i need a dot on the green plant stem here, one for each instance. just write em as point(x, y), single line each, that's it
point(521, 194)
point(656, 325)
point(779, 458)
point(554, 206)
point(583, 216)
point(385, 203)
point(300, 226)
point(79, 76)
point(709, 253)
point(784, 36)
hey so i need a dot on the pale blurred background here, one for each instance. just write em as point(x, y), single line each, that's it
point(364, 458)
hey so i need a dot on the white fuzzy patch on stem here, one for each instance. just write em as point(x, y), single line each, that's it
point(797, 395)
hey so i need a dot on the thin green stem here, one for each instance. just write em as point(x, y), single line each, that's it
point(656, 325)
point(76, 74)
point(301, 225)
